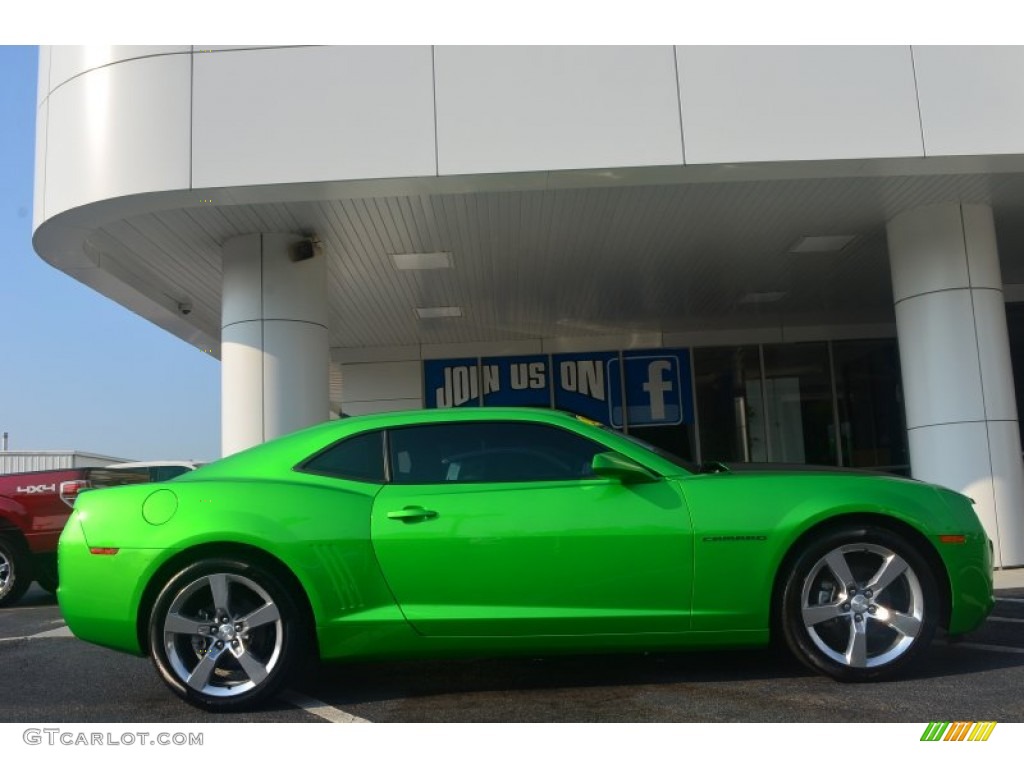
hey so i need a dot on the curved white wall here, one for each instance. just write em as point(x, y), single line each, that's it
point(118, 130)
point(122, 120)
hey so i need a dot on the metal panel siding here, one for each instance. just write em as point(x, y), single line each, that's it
point(971, 99)
point(312, 113)
point(14, 462)
point(95, 460)
point(775, 103)
point(505, 109)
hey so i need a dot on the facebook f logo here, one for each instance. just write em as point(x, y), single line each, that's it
point(656, 387)
point(652, 386)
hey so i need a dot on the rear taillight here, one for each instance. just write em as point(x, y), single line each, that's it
point(70, 489)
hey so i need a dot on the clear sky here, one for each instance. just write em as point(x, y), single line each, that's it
point(78, 371)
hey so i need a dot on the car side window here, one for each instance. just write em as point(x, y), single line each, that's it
point(360, 457)
point(502, 452)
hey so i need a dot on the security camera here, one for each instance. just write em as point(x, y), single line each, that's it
point(305, 249)
point(185, 307)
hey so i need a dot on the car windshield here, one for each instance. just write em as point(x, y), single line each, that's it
point(679, 461)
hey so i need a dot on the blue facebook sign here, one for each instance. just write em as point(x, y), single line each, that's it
point(657, 388)
point(451, 383)
point(656, 384)
point(582, 385)
point(517, 381)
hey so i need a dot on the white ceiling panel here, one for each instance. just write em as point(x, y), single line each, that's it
point(575, 262)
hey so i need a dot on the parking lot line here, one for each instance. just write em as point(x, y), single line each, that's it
point(62, 631)
point(320, 709)
point(1010, 599)
point(1006, 618)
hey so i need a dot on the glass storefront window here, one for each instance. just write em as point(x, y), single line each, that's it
point(826, 403)
point(870, 404)
point(730, 406)
point(798, 404)
point(678, 439)
point(1015, 331)
point(792, 414)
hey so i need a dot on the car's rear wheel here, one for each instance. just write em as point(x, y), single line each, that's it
point(860, 603)
point(225, 634)
point(15, 570)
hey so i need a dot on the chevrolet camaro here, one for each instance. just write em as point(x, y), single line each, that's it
point(494, 531)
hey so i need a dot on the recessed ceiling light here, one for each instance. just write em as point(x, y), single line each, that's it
point(821, 244)
point(435, 260)
point(429, 313)
point(763, 297)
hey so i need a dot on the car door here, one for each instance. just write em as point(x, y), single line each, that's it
point(492, 529)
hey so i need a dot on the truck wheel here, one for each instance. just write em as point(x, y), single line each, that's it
point(15, 571)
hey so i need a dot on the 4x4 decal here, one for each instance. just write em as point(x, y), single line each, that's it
point(51, 488)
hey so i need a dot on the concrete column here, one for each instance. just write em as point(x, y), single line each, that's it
point(274, 348)
point(955, 355)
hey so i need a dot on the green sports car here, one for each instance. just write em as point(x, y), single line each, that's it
point(489, 531)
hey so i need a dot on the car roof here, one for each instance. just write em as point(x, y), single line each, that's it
point(289, 449)
point(412, 417)
point(473, 413)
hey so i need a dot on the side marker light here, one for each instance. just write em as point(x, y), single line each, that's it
point(104, 550)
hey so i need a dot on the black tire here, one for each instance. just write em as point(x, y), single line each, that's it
point(45, 571)
point(873, 627)
point(15, 570)
point(236, 613)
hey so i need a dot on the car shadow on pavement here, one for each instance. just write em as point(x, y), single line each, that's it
point(362, 683)
point(34, 598)
point(369, 681)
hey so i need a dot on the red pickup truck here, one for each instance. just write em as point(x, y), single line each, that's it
point(34, 506)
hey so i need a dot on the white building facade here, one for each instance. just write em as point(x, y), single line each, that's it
point(784, 253)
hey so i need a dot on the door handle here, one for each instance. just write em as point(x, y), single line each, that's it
point(412, 514)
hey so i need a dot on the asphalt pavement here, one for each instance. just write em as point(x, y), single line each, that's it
point(50, 676)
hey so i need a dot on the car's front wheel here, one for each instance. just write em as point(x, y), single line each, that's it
point(225, 634)
point(860, 603)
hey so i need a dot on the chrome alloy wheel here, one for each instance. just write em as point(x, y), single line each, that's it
point(223, 634)
point(6, 574)
point(15, 570)
point(862, 605)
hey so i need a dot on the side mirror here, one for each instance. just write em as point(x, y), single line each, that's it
point(618, 467)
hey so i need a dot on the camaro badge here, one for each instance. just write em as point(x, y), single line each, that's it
point(734, 538)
